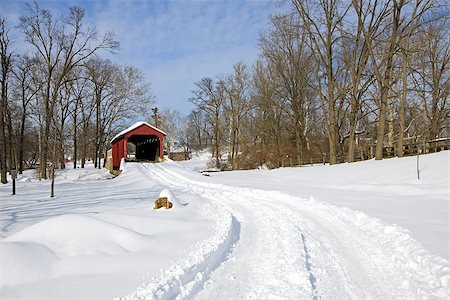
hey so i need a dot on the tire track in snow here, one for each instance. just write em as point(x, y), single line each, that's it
point(294, 278)
point(312, 278)
point(349, 255)
point(275, 252)
point(186, 276)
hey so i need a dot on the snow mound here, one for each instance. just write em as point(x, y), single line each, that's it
point(22, 262)
point(123, 164)
point(187, 275)
point(75, 235)
point(171, 197)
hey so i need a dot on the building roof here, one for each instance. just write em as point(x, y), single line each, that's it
point(132, 127)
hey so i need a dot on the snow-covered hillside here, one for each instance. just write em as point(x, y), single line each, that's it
point(367, 230)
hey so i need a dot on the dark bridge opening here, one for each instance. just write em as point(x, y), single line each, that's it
point(147, 147)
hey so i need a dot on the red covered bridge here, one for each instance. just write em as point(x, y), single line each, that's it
point(147, 140)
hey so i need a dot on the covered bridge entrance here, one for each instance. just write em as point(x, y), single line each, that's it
point(146, 144)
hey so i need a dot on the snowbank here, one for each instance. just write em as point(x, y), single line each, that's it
point(96, 239)
point(186, 275)
point(171, 197)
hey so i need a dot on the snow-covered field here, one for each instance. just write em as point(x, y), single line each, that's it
point(366, 230)
point(388, 190)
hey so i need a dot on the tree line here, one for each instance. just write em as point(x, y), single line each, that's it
point(59, 97)
point(335, 79)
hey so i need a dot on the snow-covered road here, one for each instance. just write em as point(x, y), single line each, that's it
point(271, 245)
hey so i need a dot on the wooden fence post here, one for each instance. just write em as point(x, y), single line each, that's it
point(417, 165)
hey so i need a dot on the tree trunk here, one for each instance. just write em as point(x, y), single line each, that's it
point(434, 124)
point(235, 145)
point(97, 128)
point(278, 147)
point(434, 130)
point(298, 134)
point(391, 123)
point(381, 124)
point(298, 145)
point(385, 83)
point(5, 64)
point(216, 141)
point(231, 141)
point(21, 140)
point(332, 124)
point(39, 147)
point(44, 152)
point(75, 141)
point(84, 143)
point(12, 159)
point(48, 119)
point(401, 112)
point(352, 134)
point(331, 102)
point(62, 154)
point(3, 154)
point(105, 153)
point(83, 153)
point(100, 150)
point(52, 170)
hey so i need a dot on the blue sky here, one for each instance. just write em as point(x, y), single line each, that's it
point(175, 43)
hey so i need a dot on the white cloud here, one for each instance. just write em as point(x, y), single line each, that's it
point(175, 43)
point(178, 43)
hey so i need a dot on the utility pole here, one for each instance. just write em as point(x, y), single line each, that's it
point(155, 116)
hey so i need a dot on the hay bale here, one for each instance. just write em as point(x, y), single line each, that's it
point(163, 202)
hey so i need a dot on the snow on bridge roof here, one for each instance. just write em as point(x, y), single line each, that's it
point(132, 127)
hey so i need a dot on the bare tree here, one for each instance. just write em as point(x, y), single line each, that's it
point(26, 88)
point(100, 73)
point(79, 91)
point(355, 60)
point(197, 129)
point(5, 120)
point(63, 110)
point(381, 32)
point(209, 97)
point(322, 21)
point(271, 106)
point(237, 107)
point(419, 9)
point(61, 45)
point(376, 67)
point(87, 111)
point(285, 47)
point(432, 77)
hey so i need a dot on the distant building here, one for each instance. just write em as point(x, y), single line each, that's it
point(177, 152)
